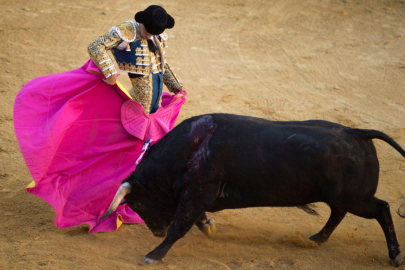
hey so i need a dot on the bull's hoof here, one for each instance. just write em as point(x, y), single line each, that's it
point(317, 238)
point(209, 228)
point(398, 260)
point(147, 260)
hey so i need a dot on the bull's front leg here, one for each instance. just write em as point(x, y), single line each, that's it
point(189, 210)
point(207, 226)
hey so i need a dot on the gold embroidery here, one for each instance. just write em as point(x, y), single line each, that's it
point(102, 58)
point(126, 30)
point(160, 55)
point(144, 42)
point(143, 61)
point(110, 71)
point(98, 49)
point(170, 80)
point(141, 70)
point(141, 91)
point(163, 36)
point(142, 51)
point(132, 68)
point(105, 64)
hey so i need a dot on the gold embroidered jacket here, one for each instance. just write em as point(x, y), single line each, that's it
point(133, 55)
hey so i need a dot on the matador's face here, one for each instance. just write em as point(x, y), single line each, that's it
point(144, 33)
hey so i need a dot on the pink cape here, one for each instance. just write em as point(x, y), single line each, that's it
point(80, 137)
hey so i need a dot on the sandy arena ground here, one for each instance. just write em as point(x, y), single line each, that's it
point(338, 60)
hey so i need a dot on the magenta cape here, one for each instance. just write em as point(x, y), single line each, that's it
point(80, 137)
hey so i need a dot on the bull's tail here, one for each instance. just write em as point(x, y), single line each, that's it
point(369, 134)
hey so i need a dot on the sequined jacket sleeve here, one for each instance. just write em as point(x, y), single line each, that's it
point(170, 80)
point(98, 52)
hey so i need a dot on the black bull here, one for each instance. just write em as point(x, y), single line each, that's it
point(220, 161)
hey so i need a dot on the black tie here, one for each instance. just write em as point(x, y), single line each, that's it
point(152, 46)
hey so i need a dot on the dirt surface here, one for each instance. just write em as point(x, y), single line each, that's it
point(342, 61)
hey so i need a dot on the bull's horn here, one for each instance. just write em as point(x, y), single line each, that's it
point(124, 189)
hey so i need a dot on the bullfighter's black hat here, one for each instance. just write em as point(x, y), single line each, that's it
point(155, 19)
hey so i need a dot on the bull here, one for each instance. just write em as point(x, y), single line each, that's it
point(220, 161)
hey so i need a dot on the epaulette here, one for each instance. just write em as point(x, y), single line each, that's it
point(126, 31)
point(164, 36)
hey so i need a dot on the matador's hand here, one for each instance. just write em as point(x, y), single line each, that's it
point(112, 79)
point(178, 90)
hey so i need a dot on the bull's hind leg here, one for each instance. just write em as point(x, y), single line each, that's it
point(380, 210)
point(335, 218)
point(207, 226)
